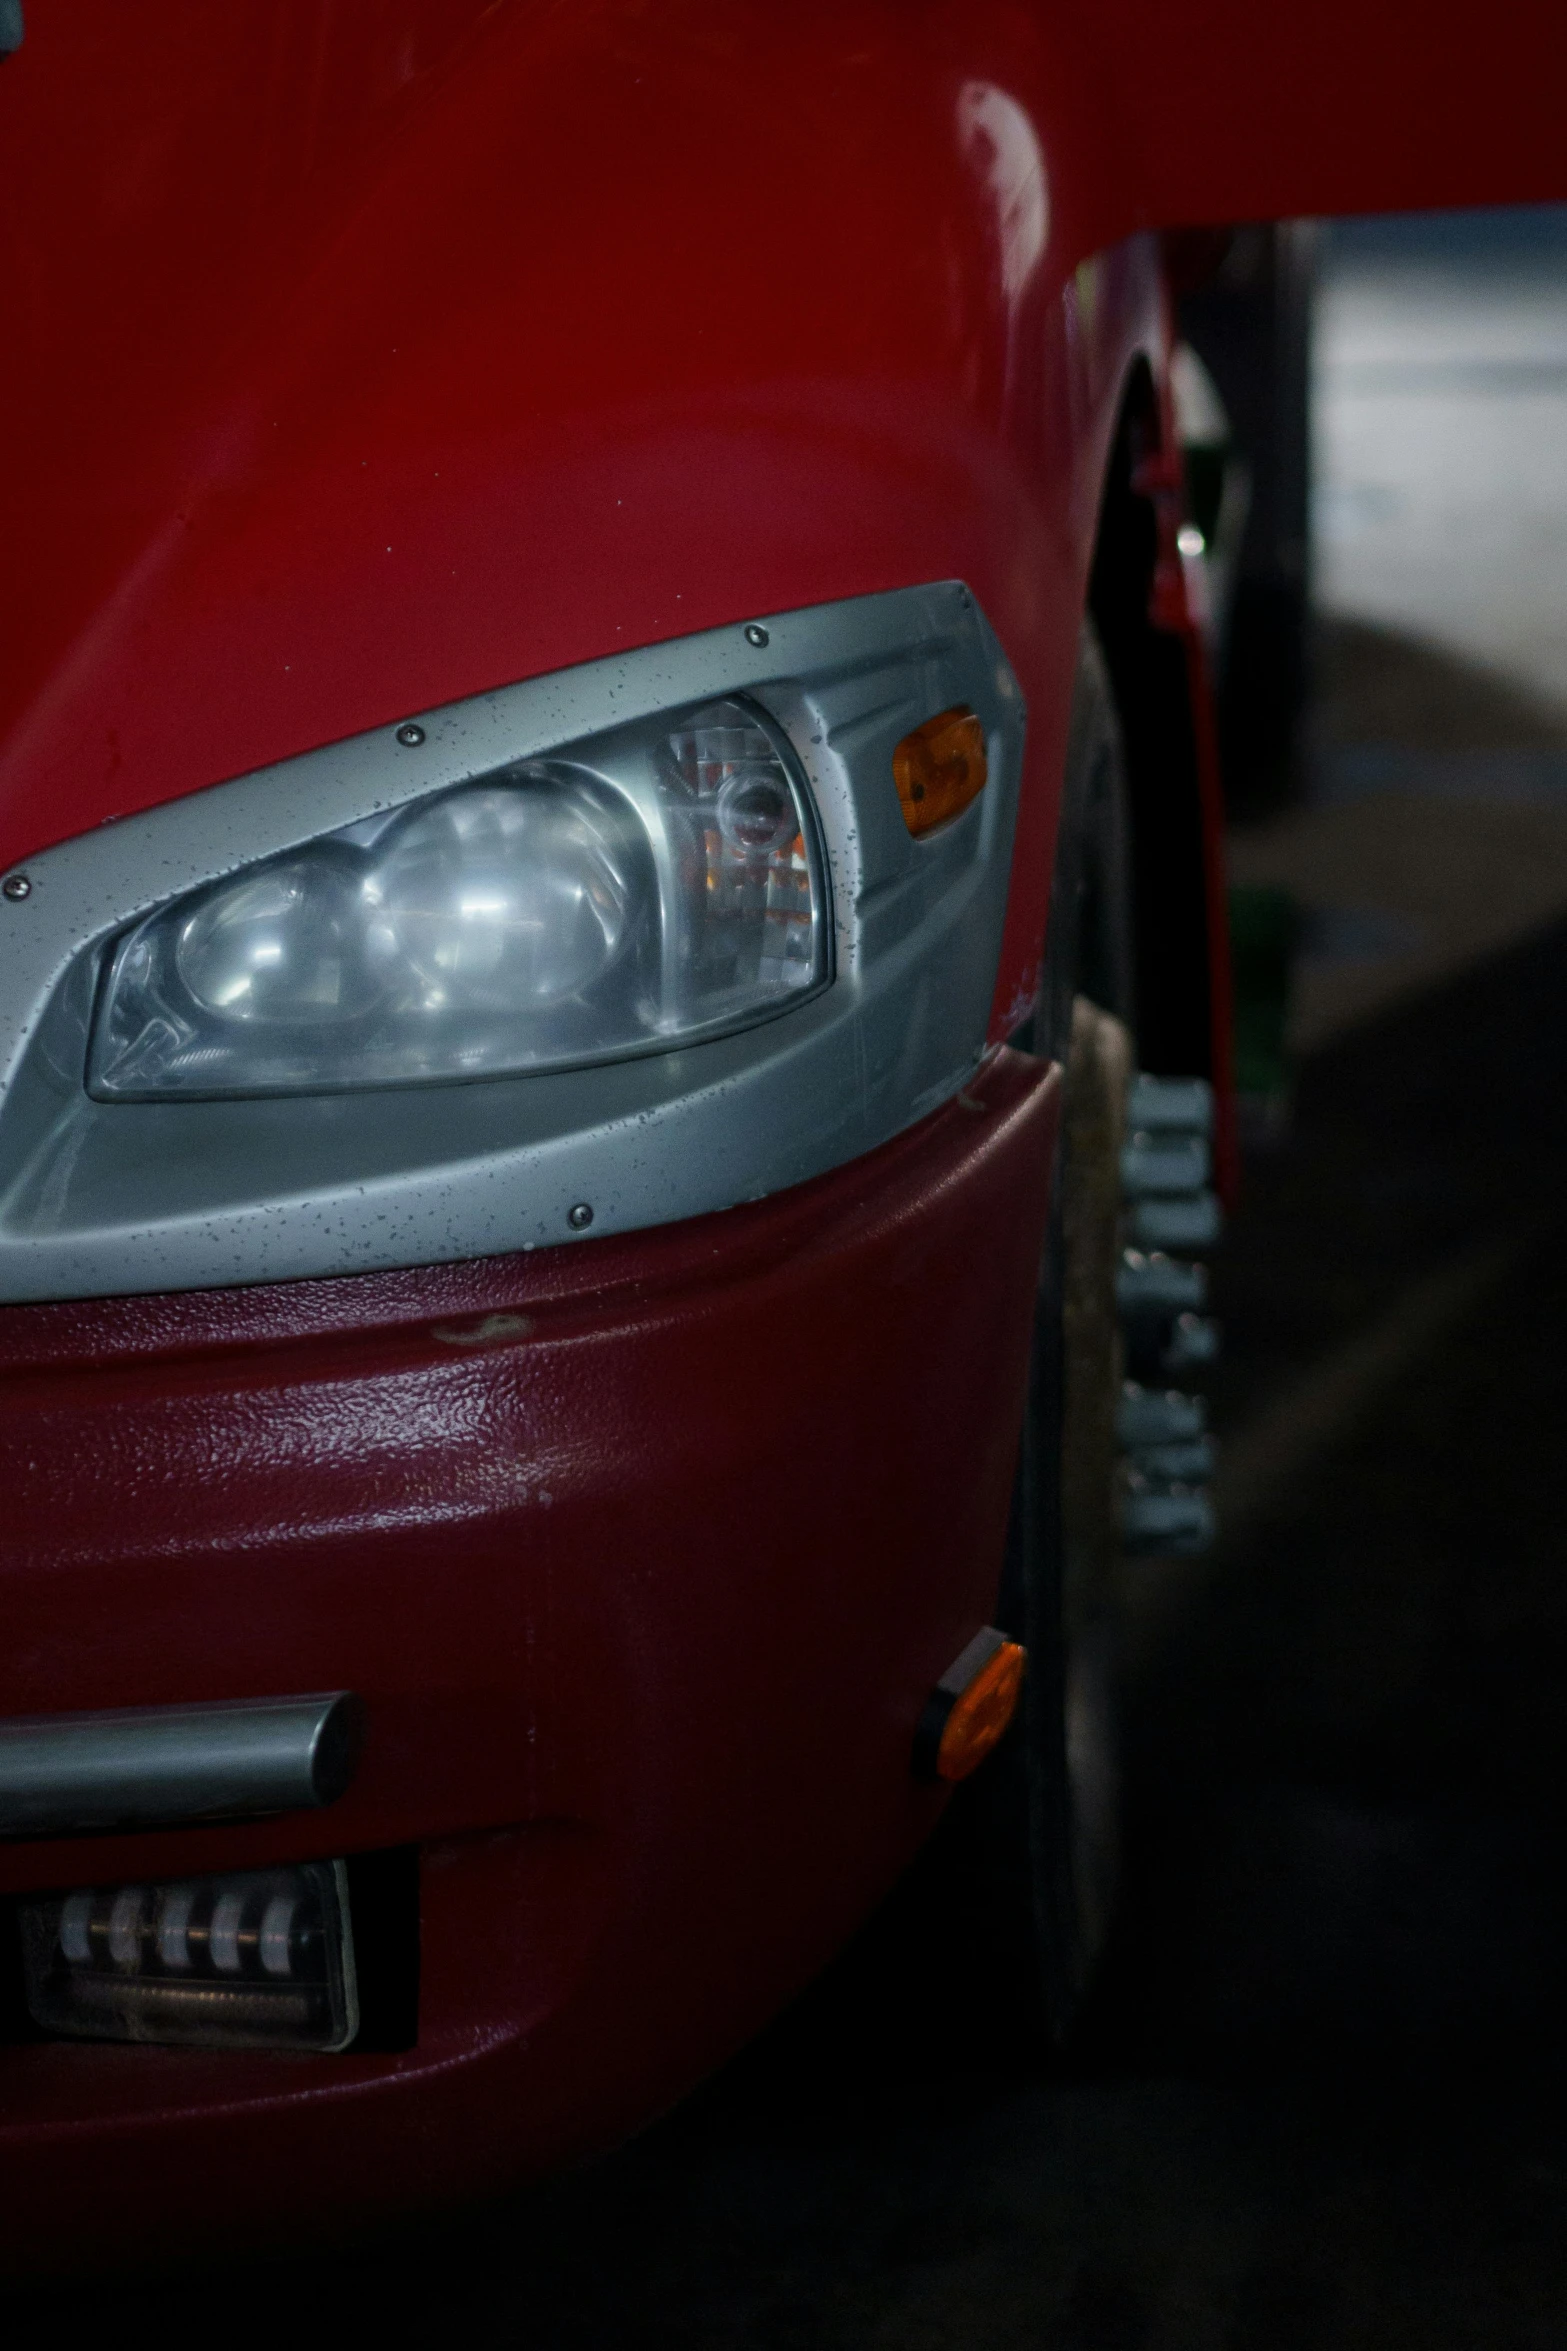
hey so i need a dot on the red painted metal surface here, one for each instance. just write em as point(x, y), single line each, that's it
point(1225, 112)
point(644, 1587)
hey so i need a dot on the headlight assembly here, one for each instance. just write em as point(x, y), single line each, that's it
point(611, 947)
point(643, 889)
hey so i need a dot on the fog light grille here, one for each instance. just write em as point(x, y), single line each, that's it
point(257, 1959)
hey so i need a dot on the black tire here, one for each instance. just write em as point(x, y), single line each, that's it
point(1042, 1815)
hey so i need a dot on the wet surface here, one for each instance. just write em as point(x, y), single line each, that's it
point(1322, 2099)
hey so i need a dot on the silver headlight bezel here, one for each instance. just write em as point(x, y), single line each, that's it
point(101, 1198)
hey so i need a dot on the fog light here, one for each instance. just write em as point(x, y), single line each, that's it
point(261, 1959)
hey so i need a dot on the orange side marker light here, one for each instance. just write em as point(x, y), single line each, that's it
point(970, 1707)
point(939, 769)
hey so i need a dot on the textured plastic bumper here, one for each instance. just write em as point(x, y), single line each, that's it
point(644, 1555)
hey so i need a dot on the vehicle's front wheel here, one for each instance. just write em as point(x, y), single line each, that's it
point(1043, 1813)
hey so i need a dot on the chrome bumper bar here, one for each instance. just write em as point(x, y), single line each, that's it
point(155, 1766)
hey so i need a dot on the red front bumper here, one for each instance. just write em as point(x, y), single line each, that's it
point(644, 1555)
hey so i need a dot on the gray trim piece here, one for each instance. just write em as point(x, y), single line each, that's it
point(104, 1198)
point(971, 1660)
point(153, 1766)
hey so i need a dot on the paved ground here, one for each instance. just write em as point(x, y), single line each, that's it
point(1323, 2103)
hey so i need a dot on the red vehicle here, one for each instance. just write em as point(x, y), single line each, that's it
point(606, 797)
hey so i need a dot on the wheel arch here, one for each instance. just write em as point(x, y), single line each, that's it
point(1159, 682)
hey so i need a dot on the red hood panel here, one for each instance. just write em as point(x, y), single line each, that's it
point(372, 358)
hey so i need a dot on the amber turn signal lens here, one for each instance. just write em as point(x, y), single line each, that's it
point(939, 769)
point(980, 1716)
point(969, 1708)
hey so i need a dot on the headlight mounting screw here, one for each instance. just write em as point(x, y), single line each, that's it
point(16, 886)
point(410, 736)
point(580, 1217)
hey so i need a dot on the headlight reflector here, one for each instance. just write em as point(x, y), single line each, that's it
point(640, 890)
point(503, 899)
point(283, 945)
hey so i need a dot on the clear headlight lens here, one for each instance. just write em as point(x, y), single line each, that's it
point(638, 891)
